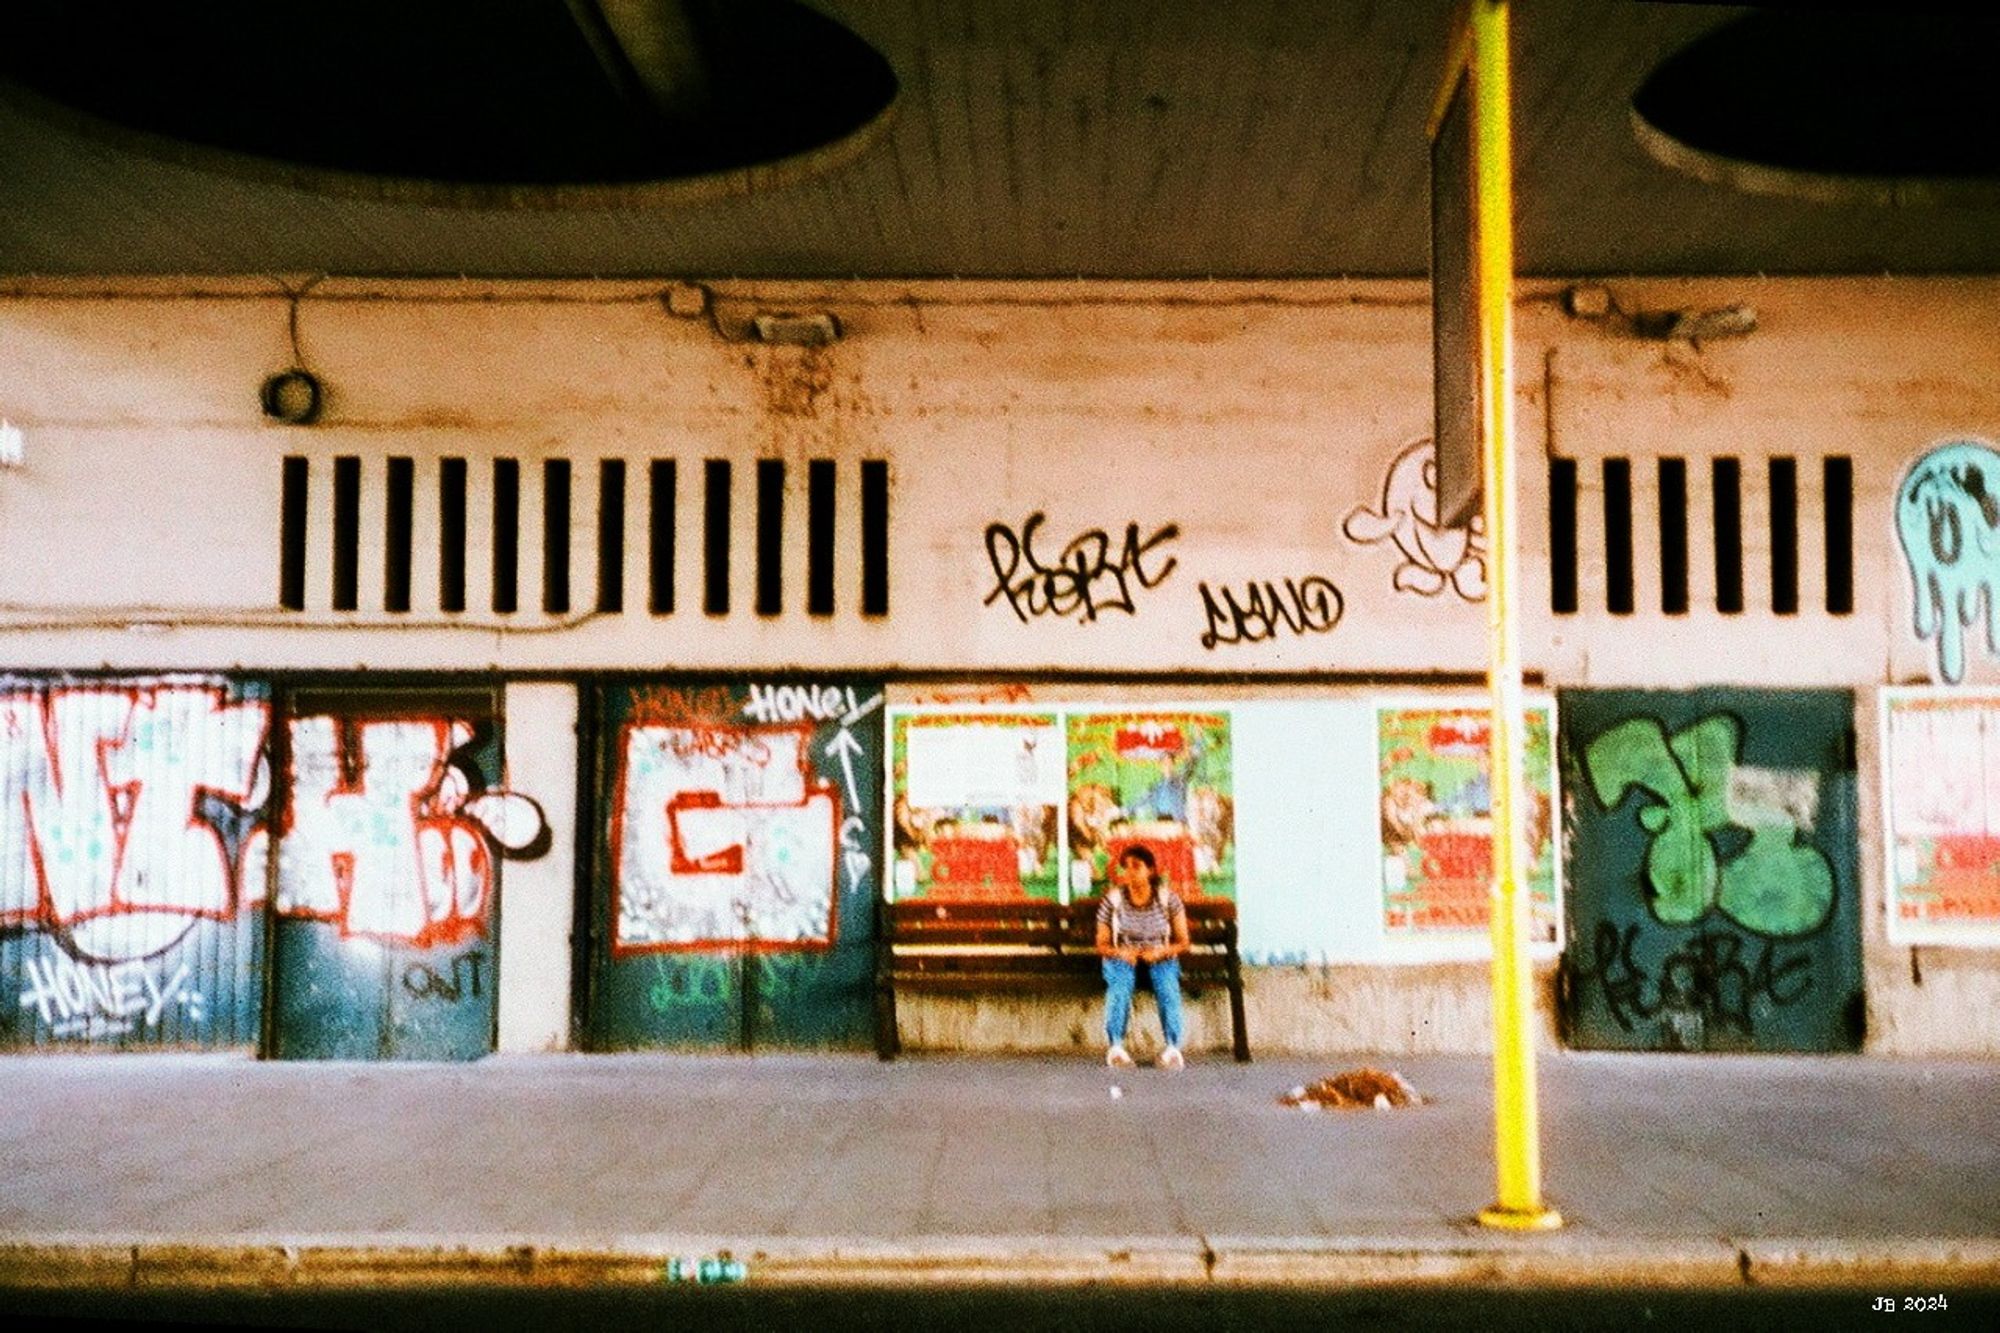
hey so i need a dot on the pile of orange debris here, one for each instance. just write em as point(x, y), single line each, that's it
point(1355, 1090)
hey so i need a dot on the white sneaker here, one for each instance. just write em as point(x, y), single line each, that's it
point(1117, 1057)
point(1171, 1058)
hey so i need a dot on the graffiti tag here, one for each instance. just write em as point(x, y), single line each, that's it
point(1434, 557)
point(1087, 578)
point(1709, 975)
point(461, 978)
point(1312, 605)
point(794, 703)
point(1770, 881)
point(1948, 521)
point(688, 985)
point(105, 1000)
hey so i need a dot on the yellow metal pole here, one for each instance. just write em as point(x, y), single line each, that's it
point(1517, 1148)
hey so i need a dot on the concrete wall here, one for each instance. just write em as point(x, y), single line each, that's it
point(539, 896)
point(1246, 433)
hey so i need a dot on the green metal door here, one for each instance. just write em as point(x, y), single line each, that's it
point(738, 833)
point(1711, 844)
point(394, 829)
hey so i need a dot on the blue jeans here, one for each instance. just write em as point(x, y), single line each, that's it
point(1119, 979)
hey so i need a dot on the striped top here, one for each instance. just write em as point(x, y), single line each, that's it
point(1142, 927)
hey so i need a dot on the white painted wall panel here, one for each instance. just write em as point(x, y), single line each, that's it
point(538, 905)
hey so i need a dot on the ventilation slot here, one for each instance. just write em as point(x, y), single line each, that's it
point(1674, 536)
point(346, 532)
point(1837, 511)
point(292, 536)
point(611, 535)
point(875, 537)
point(1726, 487)
point(820, 477)
point(555, 536)
point(715, 537)
point(1618, 535)
point(506, 535)
point(770, 536)
point(451, 535)
point(1784, 481)
point(396, 535)
point(1562, 536)
point(660, 530)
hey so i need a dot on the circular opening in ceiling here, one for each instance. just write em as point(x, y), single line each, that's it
point(461, 101)
point(1801, 103)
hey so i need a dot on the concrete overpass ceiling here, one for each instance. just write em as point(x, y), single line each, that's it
point(483, 103)
point(1062, 138)
point(1851, 103)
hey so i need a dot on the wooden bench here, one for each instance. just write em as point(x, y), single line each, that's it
point(1031, 944)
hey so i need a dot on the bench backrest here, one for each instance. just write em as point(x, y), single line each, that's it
point(1071, 927)
point(1014, 921)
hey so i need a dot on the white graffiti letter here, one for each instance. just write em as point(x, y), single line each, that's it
point(371, 855)
point(720, 838)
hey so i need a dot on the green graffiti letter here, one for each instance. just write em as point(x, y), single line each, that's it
point(1681, 867)
point(1773, 885)
point(1776, 886)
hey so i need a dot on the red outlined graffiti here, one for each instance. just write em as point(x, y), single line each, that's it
point(388, 838)
point(697, 707)
point(722, 835)
point(120, 809)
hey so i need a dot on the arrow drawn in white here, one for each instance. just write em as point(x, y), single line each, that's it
point(846, 747)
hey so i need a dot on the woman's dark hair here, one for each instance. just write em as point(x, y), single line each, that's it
point(1144, 856)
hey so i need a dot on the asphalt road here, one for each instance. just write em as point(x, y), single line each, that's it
point(961, 1309)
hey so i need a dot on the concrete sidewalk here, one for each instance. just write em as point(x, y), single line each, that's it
point(1670, 1169)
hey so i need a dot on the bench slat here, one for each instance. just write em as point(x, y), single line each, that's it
point(975, 936)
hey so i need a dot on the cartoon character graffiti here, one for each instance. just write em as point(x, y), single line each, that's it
point(1434, 557)
point(1948, 521)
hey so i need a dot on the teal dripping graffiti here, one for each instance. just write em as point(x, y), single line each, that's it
point(1948, 521)
point(1699, 857)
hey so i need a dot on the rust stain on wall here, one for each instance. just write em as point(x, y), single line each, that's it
point(794, 379)
point(1688, 371)
point(1939, 395)
point(440, 418)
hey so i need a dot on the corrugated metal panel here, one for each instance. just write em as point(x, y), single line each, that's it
point(131, 863)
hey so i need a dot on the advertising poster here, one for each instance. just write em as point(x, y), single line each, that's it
point(1943, 781)
point(1157, 779)
point(1437, 826)
point(976, 800)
